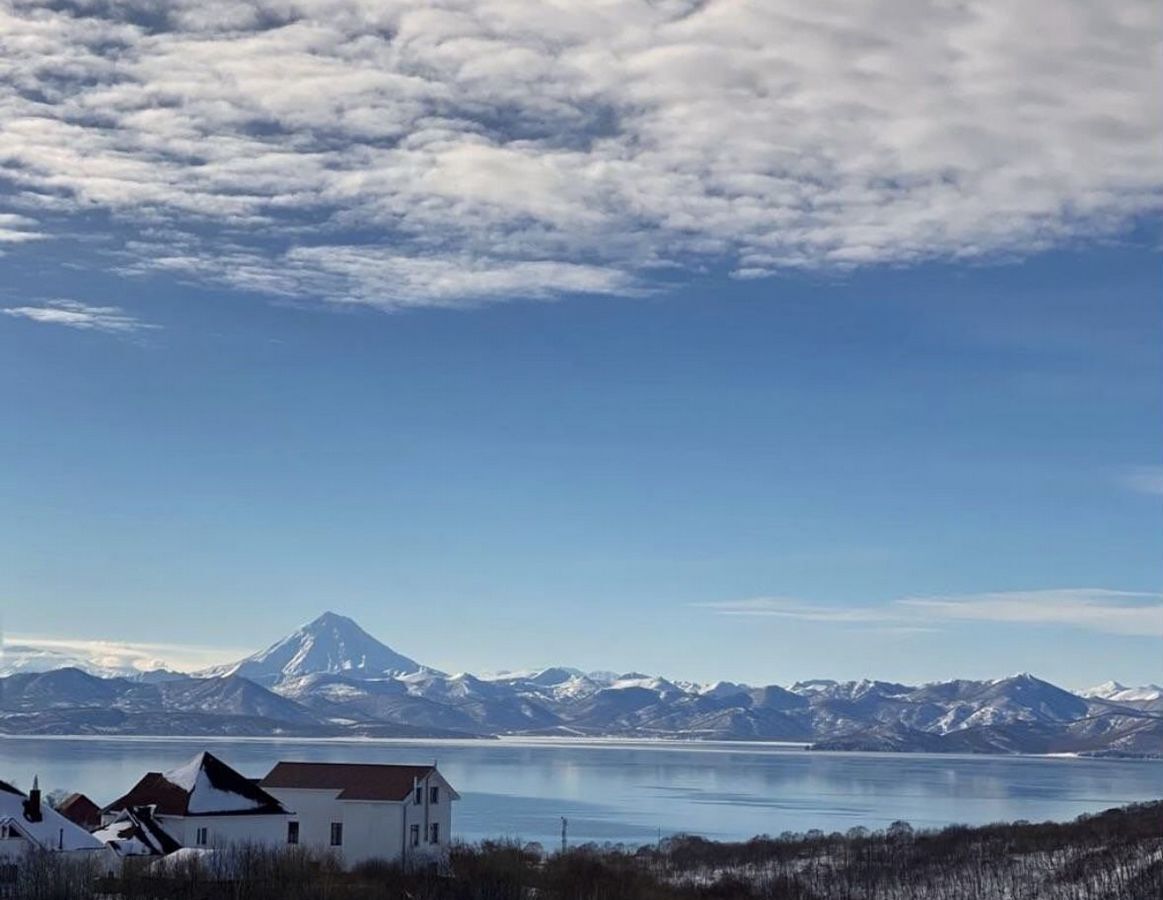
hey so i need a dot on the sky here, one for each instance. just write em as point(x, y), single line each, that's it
point(719, 340)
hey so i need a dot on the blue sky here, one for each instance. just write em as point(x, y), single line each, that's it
point(508, 339)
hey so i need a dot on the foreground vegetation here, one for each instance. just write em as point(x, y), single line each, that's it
point(1115, 855)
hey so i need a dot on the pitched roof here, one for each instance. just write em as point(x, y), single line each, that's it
point(205, 786)
point(81, 810)
point(52, 832)
point(135, 832)
point(354, 781)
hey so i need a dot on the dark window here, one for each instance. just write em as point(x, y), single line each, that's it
point(8, 873)
point(415, 835)
point(292, 832)
point(202, 837)
point(419, 794)
point(336, 834)
point(434, 838)
point(434, 795)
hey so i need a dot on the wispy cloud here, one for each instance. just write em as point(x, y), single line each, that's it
point(400, 153)
point(787, 608)
point(118, 656)
point(16, 229)
point(1145, 480)
point(73, 314)
point(1094, 609)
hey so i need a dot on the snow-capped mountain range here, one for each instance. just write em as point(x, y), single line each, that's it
point(331, 678)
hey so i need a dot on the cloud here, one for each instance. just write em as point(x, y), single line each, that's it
point(1145, 480)
point(1093, 609)
point(399, 153)
point(16, 229)
point(787, 608)
point(73, 314)
point(33, 653)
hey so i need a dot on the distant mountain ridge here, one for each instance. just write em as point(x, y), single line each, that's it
point(331, 678)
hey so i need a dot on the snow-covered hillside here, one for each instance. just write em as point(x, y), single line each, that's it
point(1120, 693)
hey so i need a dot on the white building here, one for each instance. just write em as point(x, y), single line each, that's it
point(365, 811)
point(28, 825)
point(205, 803)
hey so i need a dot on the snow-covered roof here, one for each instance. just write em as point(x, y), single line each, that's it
point(135, 832)
point(52, 832)
point(205, 786)
point(181, 860)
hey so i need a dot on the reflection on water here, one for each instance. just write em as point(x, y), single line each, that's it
point(632, 792)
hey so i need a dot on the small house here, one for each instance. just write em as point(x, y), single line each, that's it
point(29, 825)
point(205, 803)
point(364, 811)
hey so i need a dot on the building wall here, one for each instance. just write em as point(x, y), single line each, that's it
point(264, 829)
point(371, 829)
point(12, 849)
point(314, 810)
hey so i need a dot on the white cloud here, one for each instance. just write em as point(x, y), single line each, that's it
point(1094, 609)
point(394, 152)
point(73, 314)
point(16, 229)
point(788, 608)
point(33, 653)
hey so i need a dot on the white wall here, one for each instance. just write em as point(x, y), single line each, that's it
point(371, 829)
point(222, 830)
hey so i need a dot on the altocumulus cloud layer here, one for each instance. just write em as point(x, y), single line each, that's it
point(420, 153)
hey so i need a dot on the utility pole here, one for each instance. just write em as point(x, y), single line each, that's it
point(564, 826)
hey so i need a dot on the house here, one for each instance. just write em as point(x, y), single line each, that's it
point(204, 803)
point(365, 811)
point(80, 810)
point(29, 825)
point(136, 832)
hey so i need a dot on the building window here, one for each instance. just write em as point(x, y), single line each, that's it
point(202, 837)
point(434, 795)
point(419, 796)
point(292, 832)
point(415, 835)
point(336, 834)
point(434, 838)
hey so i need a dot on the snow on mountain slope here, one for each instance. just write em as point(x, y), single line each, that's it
point(1120, 693)
point(332, 677)
point(330, 644)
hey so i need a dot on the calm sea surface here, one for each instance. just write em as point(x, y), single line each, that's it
point(633, 791)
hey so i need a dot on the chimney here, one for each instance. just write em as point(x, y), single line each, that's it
point(32, 811)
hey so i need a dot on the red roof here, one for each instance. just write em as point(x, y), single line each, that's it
point(354, 781)
point(227, 792)
point(80, 810)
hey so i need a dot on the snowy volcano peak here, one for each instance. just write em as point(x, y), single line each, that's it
point(331, 644)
